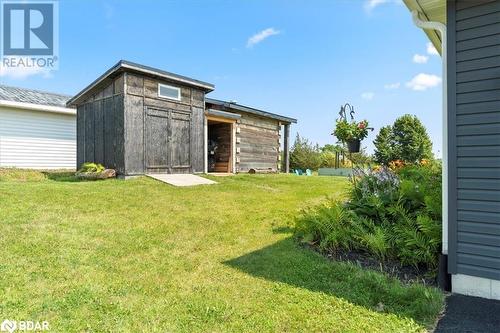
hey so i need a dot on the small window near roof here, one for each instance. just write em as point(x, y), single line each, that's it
point(169, 92)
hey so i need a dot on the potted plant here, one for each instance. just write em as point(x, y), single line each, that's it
point(351, 133)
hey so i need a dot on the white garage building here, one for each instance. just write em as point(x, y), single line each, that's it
point(37, 130)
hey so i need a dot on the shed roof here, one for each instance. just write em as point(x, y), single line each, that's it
point(22, 95)
point(124, 65)
point(238, 107)
point(431, 10)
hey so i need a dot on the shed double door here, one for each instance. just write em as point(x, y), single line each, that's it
point(167, 141)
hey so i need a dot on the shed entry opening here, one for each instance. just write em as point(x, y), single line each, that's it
point(219, 146)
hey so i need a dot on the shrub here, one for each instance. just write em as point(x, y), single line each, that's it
point(304, 155)
point(389, 214)
point(328, 159)
point(417, 237)
point(406, 140)
point(90, 167)
point(361, 158)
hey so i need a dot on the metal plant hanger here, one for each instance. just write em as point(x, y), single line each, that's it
point(342, 113)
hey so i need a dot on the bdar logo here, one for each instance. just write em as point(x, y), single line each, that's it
point(8, 326)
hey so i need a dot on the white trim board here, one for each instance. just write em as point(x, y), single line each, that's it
point(475, 286)
point(37, 107)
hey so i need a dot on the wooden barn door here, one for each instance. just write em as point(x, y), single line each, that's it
point(180, 141)
point(167, 141)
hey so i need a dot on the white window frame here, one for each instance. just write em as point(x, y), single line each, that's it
point(170, 87)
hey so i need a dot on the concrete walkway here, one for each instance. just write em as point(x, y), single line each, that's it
point(469, 314)
point(181, 179)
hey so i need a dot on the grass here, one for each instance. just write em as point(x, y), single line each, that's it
point(139, 255)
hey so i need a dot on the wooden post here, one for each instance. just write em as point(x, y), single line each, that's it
point(205, 144)
point(286, 148)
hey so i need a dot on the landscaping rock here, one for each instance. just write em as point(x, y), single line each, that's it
point(107, 173)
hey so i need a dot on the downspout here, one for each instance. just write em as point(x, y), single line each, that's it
point(442, 30)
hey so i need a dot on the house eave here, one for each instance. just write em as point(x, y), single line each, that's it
point(37, 107)
point(430, 10)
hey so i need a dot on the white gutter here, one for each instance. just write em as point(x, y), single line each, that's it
point(37, 107)
point(442, 30)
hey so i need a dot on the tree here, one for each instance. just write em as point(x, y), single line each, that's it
point(384, 146)
point(304, 155)
point(412, 140)
point(361, 158)
point(405, 140)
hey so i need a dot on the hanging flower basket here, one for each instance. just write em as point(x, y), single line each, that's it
point(354, 146)
point(351, 133)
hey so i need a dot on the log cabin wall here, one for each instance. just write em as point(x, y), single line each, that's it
point(257, 143)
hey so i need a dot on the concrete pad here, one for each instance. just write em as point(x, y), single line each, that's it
point(181, 179)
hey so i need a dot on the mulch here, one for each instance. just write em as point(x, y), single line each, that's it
point(393, 268)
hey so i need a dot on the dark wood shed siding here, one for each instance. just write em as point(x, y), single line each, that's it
point(100, 127)
point(141, 95)
point(474, 137)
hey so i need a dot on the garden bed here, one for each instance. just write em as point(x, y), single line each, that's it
point(393, 268)
point(390, 222)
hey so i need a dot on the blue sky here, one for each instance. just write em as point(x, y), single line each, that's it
point(306, 58)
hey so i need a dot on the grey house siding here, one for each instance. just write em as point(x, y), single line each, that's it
point(474, 137)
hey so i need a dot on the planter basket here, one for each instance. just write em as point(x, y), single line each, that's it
point(354, 146)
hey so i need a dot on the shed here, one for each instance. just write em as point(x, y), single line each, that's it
point(138, 119)
point(257, 137)
point(37, 130)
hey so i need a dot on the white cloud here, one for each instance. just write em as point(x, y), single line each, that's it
point(431, 49)
point(21, 72)
point(372, 4)
point(260, 36)
point(420, 59)
point(392, 86)
point(423, 81)
point(109, 11)
point(368, 95)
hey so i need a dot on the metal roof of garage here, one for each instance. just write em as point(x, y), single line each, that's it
point(22, 95)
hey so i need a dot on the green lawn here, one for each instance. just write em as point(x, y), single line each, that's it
point(139, 255)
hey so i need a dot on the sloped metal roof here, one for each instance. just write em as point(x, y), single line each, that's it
point(22, 95)
point(238, 107)
point(124, 65)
